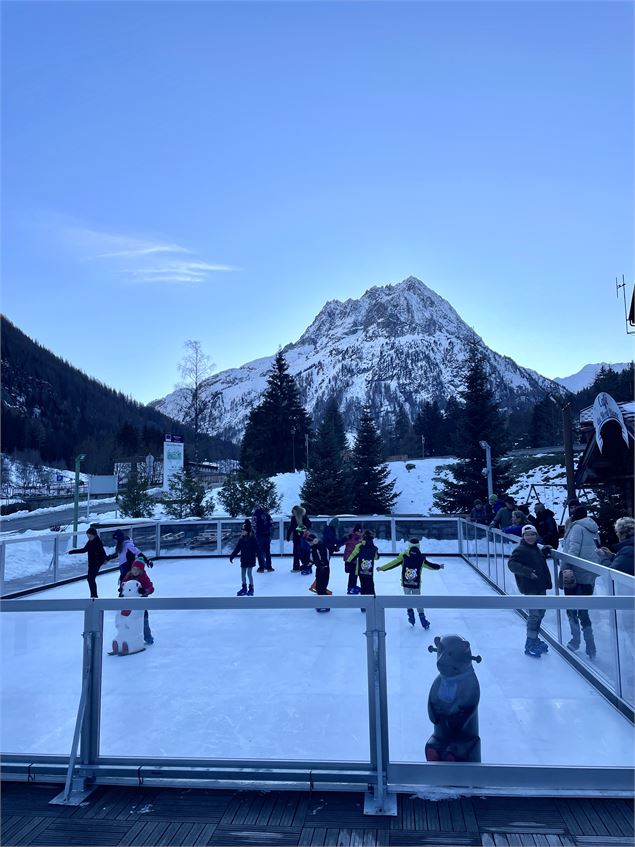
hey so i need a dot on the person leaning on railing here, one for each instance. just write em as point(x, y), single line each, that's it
point(623, 557)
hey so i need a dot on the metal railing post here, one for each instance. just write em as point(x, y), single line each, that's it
point(3, 548)
point(393, 534)
point(281, 533)
point(616, 640)
point(219, 539)
point(459, 535)
point(554, 559)
point(157, 539)
point(381, 802)
point(56, 557)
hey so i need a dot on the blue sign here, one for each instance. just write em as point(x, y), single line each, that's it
point(59, 477)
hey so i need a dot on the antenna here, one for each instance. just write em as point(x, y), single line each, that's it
point(629, 314)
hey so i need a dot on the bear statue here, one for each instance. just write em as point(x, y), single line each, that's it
point(129, 624)
point(453, 703)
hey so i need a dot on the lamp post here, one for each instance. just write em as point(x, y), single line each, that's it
point(293, 445)
point(306, 442)
point(78, 462)
point(487, 471)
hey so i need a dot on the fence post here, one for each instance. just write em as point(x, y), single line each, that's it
point(459, 535)
point(616, 640)
point(157, 539)
point(3, 548)
point(219, 538)
point(380, 801)
point(56, 553)
point(393, 534)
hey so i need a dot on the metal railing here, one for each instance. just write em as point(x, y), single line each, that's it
point(85, 766)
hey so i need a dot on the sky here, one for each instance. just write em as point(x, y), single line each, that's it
point(217, 171)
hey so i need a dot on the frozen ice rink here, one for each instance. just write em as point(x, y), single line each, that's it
point(291, 684)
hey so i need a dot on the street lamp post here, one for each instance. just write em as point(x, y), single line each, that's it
point(78, 462)
point(306, 442)
point(487, 471)
point(293, 445)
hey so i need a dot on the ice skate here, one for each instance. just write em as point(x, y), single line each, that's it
point(589, 641)
point(411, 617)
point(250, 591)
point(322, 610)
point(542, 645)
point(532, 648)
point(425, 623)
point(242, 592)
point(574, 643)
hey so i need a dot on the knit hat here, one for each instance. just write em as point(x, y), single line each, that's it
point(578, 513)
point(492, 498)
point(529, 528)
point(413, 540)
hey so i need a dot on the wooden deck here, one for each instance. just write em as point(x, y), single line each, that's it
point(163, 816)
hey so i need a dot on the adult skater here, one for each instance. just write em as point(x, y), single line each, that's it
point(412, 562)
point(320, 558)
point(262, 525)
point(528, 564)
point(582, 540)
point(329, 535)
point(96, 558)
point(248, 550)
point(362, 558)
point(297, 527)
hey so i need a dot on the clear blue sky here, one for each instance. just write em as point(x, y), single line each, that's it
point(218, 171)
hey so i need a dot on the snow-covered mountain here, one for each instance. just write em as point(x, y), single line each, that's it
point(586, 375)
point(397, 344)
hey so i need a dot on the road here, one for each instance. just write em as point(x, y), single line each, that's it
point(60, 517)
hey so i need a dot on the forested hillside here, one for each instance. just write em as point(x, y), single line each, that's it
point(51, 411)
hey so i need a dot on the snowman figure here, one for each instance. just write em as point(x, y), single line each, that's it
point(129, 624)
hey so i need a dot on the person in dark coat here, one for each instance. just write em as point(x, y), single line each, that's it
point(320, 558)
point(262, 524)
point(363, 559)
point(503, 517)
point(248, 550)
point(297, 527)
point(329, 535)
point(622, 557)
point(546, 525)
point(352, 541)
point(479, 513)
point(96, 558)
point(528, 564)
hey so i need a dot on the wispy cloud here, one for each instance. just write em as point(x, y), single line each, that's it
point(155, 257)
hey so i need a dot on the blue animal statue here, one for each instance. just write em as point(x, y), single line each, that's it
point(453, 703)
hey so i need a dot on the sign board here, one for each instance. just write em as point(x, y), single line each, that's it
point(59, 477)
point(172, 458)
point(102, 484)
point(606, 409)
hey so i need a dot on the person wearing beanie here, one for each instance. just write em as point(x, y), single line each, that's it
point(362, 559)
point(352, 541)
point(329, 535)
point(247, 547)
point(412, 562)
point(263, 524)
point(96, 558)
point(528, 564)
point(125, 552)
point(479, 513)
point(581, 539)
point(320, 558)
point(494, 504)
point(546, 525)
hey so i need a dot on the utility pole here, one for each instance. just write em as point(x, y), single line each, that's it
point(306, 442)
point(487, 471)
point(78, 462)
point(568, 449)
point(293, 445)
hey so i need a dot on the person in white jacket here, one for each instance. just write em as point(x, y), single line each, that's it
point(581, 539)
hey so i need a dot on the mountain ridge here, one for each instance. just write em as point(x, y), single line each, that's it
point(356, 350)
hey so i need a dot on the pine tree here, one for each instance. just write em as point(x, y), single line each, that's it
point(429, 428)
point(481, 420)
point(325, 490)
point(373, 493)
point(276, 430)
point(136, 502)
point(187, 497)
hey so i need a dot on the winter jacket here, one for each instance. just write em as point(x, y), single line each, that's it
point(247, 546)
point(579, 540)
point(262, 523)
point(351, 542)
point(503, 517)
point(525, 560)
point(548, 528)
point(411, 561)
point(514, 529)
point(479, 514)
point(362, 558)
point(296, 529)
point(622, 559)
point(95, 549)
point(329, 537)
point(142, 578)
point(320, 555)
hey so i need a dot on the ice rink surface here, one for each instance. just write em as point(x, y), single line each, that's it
point(291, 684)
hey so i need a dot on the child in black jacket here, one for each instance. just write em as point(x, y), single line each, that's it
point(362, 560)
point(412, 562)
point(96, 558)
point(248, 549)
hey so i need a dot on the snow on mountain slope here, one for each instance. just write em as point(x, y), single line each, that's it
point(585, 377)
point(397, 344)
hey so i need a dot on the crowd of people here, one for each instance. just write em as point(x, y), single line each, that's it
point(538, 535)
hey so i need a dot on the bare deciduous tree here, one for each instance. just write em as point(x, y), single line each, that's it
point(195, 368)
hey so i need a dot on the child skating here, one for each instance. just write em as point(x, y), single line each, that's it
point(412, 562)
point(247, 547)
point(362, 561)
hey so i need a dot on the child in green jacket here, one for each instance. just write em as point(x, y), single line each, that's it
point(412, 562)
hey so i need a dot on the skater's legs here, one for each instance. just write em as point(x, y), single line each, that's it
point(322, 579)
point(352, 581)
point(147, 632)
point(92, 582)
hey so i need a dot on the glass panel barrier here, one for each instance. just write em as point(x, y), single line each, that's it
point(41, 661)
point(28, 563)
point(145, 539)
point(624, 621)
point(538, 712)
point(285, 684)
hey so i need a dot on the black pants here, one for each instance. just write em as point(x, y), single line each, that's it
point(91, 576)
point(322, 576)
point(300, 557)
point(264, 552)
point(581, 615)
point(366, 584)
